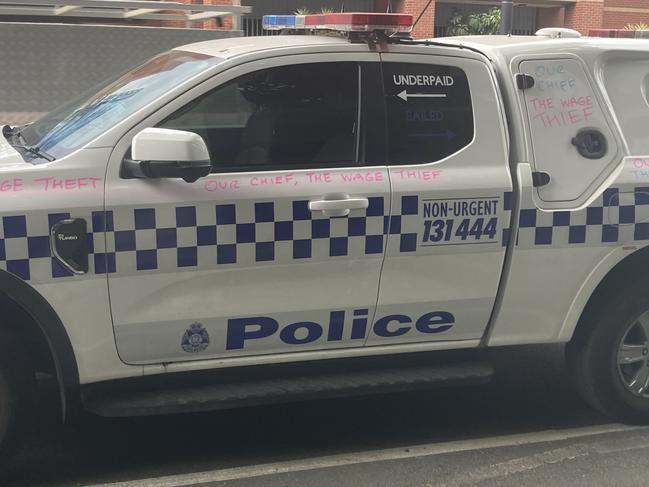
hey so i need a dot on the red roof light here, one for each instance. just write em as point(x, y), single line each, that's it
point(360, 22)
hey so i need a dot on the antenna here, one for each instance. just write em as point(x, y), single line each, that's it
point(422, 13)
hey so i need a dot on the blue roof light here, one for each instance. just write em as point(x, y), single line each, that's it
point(278, 22)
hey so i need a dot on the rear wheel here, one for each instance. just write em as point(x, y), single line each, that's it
point(609, 358)
point(633, 357)
point(16, 386)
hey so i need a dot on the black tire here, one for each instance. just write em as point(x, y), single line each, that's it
point(16, 392)
point(592, 355)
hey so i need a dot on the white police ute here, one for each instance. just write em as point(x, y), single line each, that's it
point(294, 217)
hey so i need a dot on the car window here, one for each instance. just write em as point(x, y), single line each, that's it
point(78, 122)
point(571, 139)
point(626, 81)
point(429, 109)
point(294, 116)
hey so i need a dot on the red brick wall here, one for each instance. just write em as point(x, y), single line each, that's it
point(618, 13)
point(210, 24)
point(585, 15)
point(426, 25)
point(227, 21)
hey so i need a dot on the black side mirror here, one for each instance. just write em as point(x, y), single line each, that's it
point(189, 171)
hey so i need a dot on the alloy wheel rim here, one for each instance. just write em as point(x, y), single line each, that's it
point(633, 356)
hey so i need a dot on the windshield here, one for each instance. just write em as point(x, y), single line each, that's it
point(73, 125)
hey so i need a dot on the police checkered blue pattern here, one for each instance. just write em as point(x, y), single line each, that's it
point(405, 225)
point(169, 237)
point(25, 245)
point(247, 233)
point(613, 217)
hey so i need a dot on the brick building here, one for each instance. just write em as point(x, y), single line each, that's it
point(581, 15)
point(531, 15)
point(606, 14)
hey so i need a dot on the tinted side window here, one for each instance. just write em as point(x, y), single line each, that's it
point(290, 116)
point(429, 112)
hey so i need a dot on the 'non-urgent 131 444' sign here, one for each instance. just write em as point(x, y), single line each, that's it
point(460, 221)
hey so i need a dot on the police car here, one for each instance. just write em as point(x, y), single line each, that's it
point(293, 217)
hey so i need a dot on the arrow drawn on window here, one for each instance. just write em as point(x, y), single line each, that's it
point(450, 135)
point(404, 95)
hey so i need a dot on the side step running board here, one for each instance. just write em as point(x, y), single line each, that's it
point(277, 390)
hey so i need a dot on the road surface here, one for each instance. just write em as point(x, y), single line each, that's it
point(526, 428)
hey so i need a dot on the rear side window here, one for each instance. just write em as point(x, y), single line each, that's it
point(295, 116)
point(570, 135)
point(429, 111)
point(627, 84)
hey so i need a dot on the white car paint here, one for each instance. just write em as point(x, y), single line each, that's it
point(131, 321)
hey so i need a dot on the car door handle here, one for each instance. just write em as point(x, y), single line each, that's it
point(338, 207)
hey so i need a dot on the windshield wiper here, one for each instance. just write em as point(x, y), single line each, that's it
point(36, 151)
point(15, 132)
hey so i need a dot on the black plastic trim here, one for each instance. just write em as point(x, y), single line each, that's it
point(211, 390)
point(524, 81)
point(540, 178)
point(375, 125)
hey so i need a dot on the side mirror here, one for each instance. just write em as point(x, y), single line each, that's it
point(166, 153)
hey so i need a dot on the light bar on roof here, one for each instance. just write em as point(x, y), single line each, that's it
point(345, 22)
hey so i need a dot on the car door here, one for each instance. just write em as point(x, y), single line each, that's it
point(571, 137)
point(280, 248)
point(451, 187)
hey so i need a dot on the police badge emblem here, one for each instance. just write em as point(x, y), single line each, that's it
point(196, 339)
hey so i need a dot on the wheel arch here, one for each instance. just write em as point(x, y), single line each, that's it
point(16, 297)
point(613, 272)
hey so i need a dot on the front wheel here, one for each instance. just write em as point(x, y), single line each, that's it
point(609, 360)
point(16, 383)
